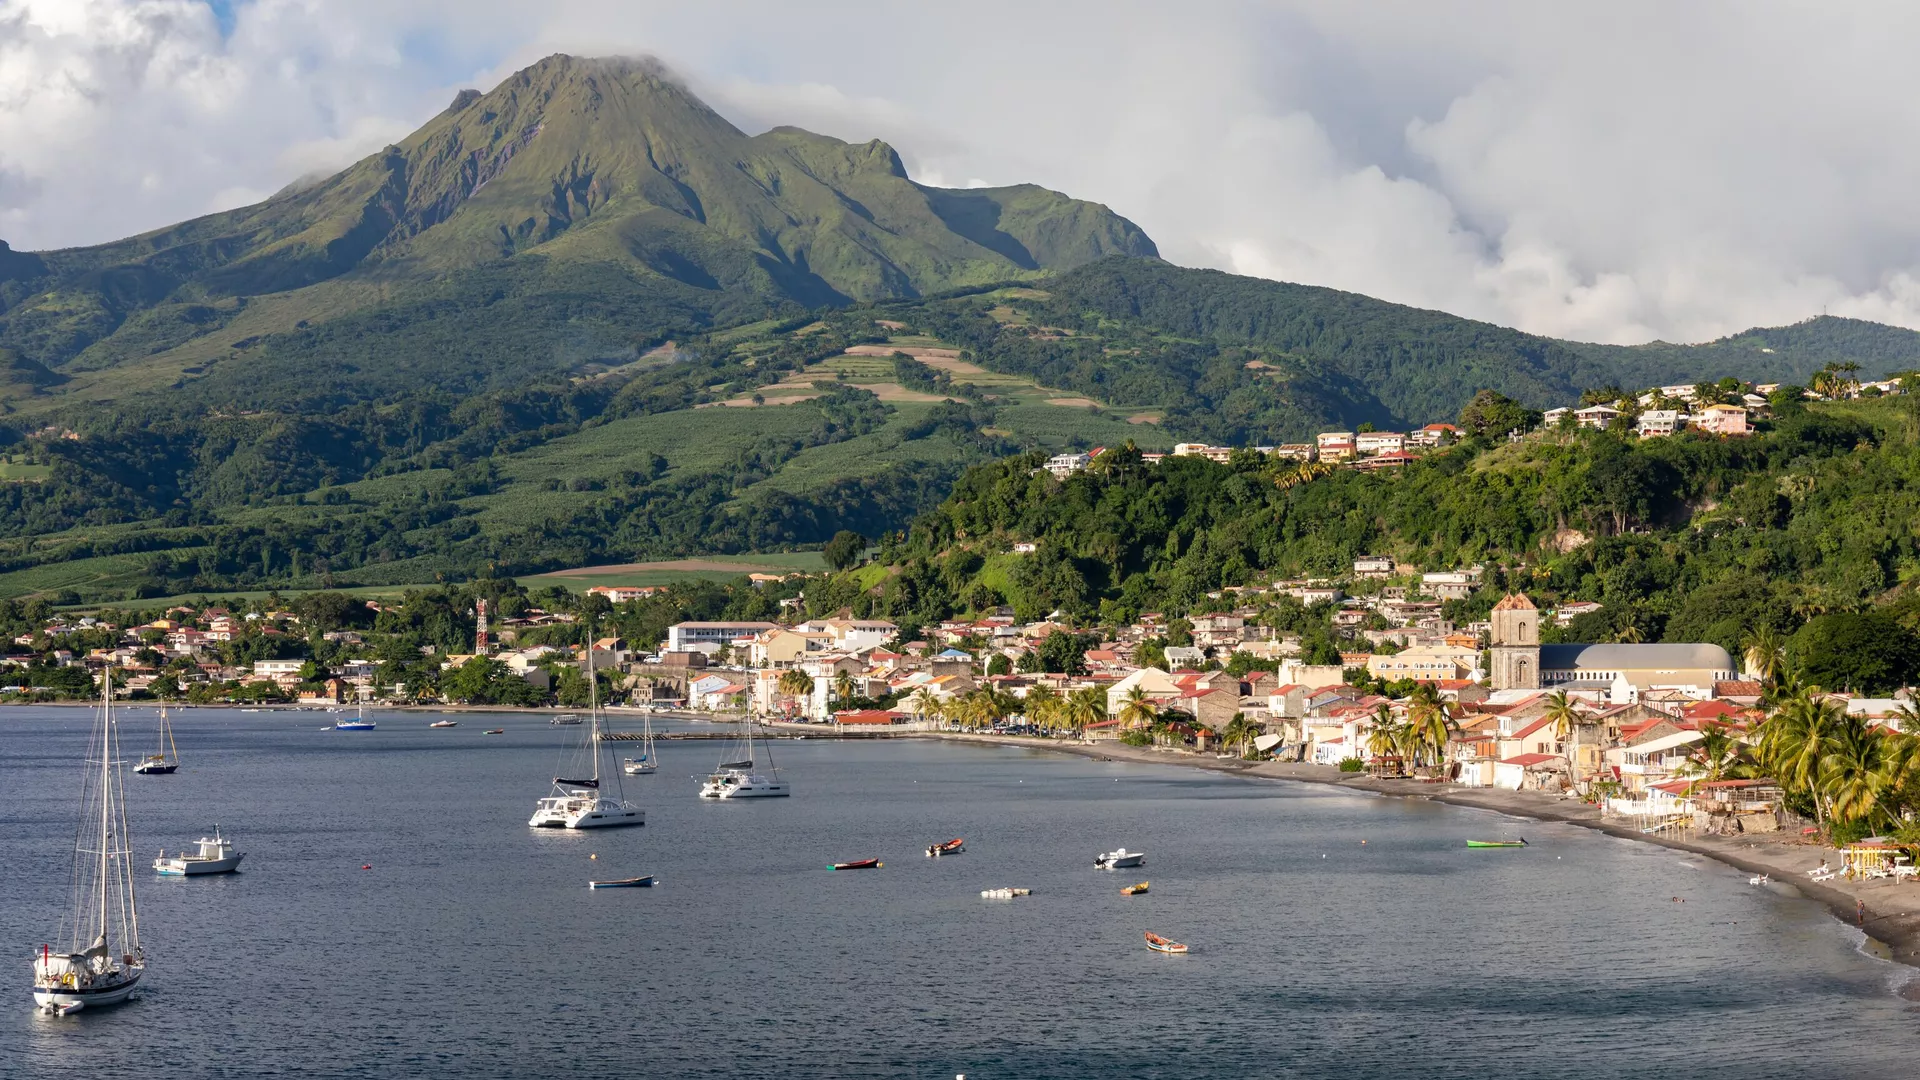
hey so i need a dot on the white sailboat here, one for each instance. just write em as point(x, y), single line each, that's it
point(648, 762)
point(579, 803)
point(102, 961)
point(735, 778)
point(168, 759)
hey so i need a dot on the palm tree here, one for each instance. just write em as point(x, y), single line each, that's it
point(1386, 736)
point(923, 704)
point(1137, 710)
point(843, 685)
point(1084, 707)
point(1717, 756)
point(1795, 740)
point(1433, 728)
point(1566, 722)
point(1764, 651)
point(797, 685)
point(1042, 707)
point(1856, 770)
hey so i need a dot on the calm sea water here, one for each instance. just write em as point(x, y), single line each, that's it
point(472, 947)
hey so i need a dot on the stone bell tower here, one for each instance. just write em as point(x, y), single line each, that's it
point(1516, 644)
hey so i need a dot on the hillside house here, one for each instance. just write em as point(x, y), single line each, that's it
point(1334, 445)
point(1598, 417)
point(1722, 420)
point(1375, 443)
point(1655, 423)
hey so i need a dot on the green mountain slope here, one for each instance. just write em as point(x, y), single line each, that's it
point(574, 175)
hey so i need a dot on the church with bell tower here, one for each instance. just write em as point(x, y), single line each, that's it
point(1516, 644)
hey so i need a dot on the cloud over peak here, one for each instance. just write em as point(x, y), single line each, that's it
point(1614, 172)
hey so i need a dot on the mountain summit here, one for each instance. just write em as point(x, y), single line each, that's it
point(574, 169)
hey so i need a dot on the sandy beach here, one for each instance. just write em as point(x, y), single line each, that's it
point(1891, 915)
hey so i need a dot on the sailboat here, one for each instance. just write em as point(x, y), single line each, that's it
point(161, 763)
point(102, 961)
point(734, 777)
point(579, 803)
point(648, 762)
point(359, 721)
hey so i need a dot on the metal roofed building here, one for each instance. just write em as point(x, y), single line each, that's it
point(1691, 667)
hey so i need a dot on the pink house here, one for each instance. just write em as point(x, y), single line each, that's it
point(1722, 420)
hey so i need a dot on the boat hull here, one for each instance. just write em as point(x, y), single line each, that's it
point(1496, 843)
point(196, 867)
point(353, 726)
point(154, 770)
point(63, 998)
point(623, 883)
point(735, 785)
point(1122, 863)
point(858, 864)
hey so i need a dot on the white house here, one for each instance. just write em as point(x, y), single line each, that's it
point(1657, 422)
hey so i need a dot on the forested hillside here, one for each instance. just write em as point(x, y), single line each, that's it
point(1687, 538)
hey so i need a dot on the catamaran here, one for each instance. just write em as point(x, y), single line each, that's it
point(102, 961)
point(168, 759)
point(734, 777)
point(579, 803)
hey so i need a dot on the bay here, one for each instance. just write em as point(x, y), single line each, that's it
point(472, 948)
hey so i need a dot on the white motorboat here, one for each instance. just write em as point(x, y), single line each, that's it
point(104, 970)
point(216, 856)
point(1120, 859)
point(736, 778)
point(566, 720)
point(445, 723)
point(579, 803)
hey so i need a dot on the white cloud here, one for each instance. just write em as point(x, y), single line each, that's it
point(1613, 171)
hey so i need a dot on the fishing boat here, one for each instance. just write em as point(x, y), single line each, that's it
point(952, 847)
point(1004, 893)
point(623, 883)
point(1496, 843)
point(495, 731)
point(168, 759)
point(858, 864)
point(445, 723)
point(1120, 859)
point(578, 803)
point(216, 856)
point(1162, 945)
point(735, 778)
point(103, 960)
point(565, 720)
point(1134, 890)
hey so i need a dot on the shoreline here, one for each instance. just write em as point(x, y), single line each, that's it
point(1892, 916)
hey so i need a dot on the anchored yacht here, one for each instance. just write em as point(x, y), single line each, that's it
point(105, 970)
point(736, 779)
point(216, 856)
point(579, 803)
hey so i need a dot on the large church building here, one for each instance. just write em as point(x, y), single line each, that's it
point(1520, 662)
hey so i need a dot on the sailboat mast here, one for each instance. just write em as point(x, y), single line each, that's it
point(593, 704)
point(106, 788)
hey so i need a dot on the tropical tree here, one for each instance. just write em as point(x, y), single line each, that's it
point(843, 686)
point(797, 685)
point(1432, 727)
point(1565, 718)
point(1765, 652)
point(1085, 707)
point(1043, 707)
point(1856, 770)
point(1137, 710)
point(924, 705)
point(1794, 742)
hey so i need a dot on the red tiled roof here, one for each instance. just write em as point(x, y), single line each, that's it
point(1530, 760)
point(1514, 602)
point(1530, 728)
point(867, 716)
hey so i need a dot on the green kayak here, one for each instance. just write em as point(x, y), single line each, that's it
point(1496, 843)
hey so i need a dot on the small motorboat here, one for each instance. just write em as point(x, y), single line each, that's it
point(1120, 859)
point(566, 720)
point(1004, 893)
point(445, 723)
point(216, 856)
point(495, 731)
point(1496, 843)
point(858, 864)
point(952, 847)
point(1163, 945)
point(1134, 890)
point(623, 883)
point(328, 727)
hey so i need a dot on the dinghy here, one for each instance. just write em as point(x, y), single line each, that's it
point(1162, 945)
point(858, 864)
point(623, 883)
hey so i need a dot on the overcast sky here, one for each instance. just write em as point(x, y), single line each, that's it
point(1606, 171)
